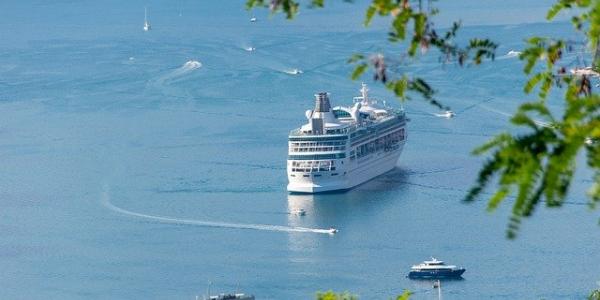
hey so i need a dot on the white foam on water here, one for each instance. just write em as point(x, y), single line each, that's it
point(186, 68)
point(263, 227)
point(539, 123)
point(510, 54)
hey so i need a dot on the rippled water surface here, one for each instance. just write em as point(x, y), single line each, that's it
point(145, 164)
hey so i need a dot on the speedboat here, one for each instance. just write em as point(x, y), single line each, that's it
point(435, 269)
point(294, 71)
point(299, 212)
point(585, 71)
point(236, 296)
point(513, 53)
point(332, 230)
point(447, 114)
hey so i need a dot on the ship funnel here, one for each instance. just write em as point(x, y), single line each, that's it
point(322, 102)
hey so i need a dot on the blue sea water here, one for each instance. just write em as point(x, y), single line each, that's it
point(116, 155)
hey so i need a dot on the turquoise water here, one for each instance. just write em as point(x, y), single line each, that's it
point(116, 156)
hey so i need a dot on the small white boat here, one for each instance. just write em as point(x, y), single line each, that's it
point(447, 114)
point(513, 53)
point(253, 19)
point(249, 49)
point(587, 71)
point(589, 141)
point(332, 231)
point(236, 296)
point(294, 71)
point(147, 26)
point(299, 212)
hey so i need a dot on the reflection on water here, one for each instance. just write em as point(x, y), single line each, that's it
point(340, 209)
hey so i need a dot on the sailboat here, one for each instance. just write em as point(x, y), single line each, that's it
point(146, 23)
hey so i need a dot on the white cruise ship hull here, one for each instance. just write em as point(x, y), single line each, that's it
point(358, 171)
point(342, 147)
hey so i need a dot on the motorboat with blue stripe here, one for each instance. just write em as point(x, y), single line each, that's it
point(435, 269)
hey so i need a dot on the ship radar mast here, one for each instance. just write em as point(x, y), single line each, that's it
point(363, 99)
point(363, 91)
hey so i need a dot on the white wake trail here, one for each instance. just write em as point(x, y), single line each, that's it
point(187, 67)
point(263, 227)
point(510, 54)
point(539, 123)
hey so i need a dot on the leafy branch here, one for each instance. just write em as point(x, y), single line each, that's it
point(539, 165)
point(410, 23)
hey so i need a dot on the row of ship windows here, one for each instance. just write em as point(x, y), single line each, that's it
point(379, 127)
point(313, 169)
point(314, 175)
point(317, 156)
point(317, 144)
point(318, 138)
point(310, 164)
point(386, 143)
point(313, 166)
point(317, 149)
point(329, 131)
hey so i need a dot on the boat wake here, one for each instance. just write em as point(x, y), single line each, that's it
point(537, 122)
point(169, 220)
point(510, 54)
point(186, 68)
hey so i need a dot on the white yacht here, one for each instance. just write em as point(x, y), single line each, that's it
point(147, 26)
point(342, 147)
point(435, 269)
point(446, 114)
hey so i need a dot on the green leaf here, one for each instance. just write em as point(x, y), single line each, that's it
point(369, 15)
point(497, 198)
point(355, 58)
point(533, 81)
point(359, 70)
point(405, 295)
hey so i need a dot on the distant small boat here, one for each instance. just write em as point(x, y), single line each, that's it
point(299, 212)
point(447, 114)
point(147, 26)
point(236, 296)
point(332, 230)
point(253, 19)
point(513, 53)
point(435, 269)
point(587, 71)
point(589, 141)
point(249, 49)
point(294, 71)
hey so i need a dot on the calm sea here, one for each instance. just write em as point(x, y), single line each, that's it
point(142, 165)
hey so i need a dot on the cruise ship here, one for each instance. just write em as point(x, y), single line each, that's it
point(342, 147)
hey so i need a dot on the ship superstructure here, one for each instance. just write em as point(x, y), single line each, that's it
point(341, 147)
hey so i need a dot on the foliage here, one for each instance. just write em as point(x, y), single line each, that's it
point(595, 295)
point(539, 164)
point(405, 295)
point(331, 295)
point(411, 23)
